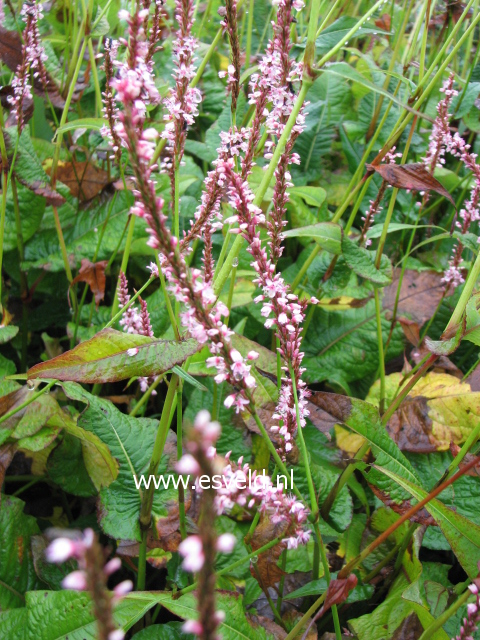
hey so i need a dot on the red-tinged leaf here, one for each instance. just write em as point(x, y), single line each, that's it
point(112, 355)
point(338, 591)
point(413, 177)
point(93, 273)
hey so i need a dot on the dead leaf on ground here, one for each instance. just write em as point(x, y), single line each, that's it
point(93, 273)
point(84, 179)
point(413, 177)
point(11, 55)
point(7, 451)
point(420, 294)
point(271, 627)
point(265, 570)
point(440, 409)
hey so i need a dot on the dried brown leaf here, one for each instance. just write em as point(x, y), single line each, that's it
point(413, 177)
point(84, 179)
point(420, 294)
point(93, 273)
point(265, 570)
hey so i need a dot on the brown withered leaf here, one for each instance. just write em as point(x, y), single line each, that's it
point(410, 329)
point(272, 628)
point(384, 22)
point(413, 177)
point(7, 451)
point(93, 273)
point(420, 294)
point(410, 629)
point(265, 570)
point(475, 471)
point(422, 516)
point(11, 55)
point(84, 179)
point(337, 593)
point(410, 426)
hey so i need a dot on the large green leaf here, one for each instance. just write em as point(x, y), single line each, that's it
point(334, 33)
point(130, 441)
point(362, 262)
point(17, 574)
point(235, 625)
point(363, 419)
point(32, 208)
point(113, 355)
point(326, 234)
point(462, 534)
point(342, 346)
point(68, 615)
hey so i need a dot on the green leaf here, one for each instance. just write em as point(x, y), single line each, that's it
point(327, 234)
point(130, 441)
point(68, 615)
point(335, 32)
point(462, 534)
point(317, 587)
point(27, 202)
point(17, 574)
point(234, 627)
point(82, 123)
point(113, 355)
point(8, 333)
point(28, 168)
point(342, 346)
point(375, 231)
point(362, 262)
point(168, 631)
point(66, 468)
point(314, 196)
point(363, 419)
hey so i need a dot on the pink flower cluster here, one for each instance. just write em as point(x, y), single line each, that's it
point(250, 490)
point(182, 104)
point(33, 61)
point(442, 141)
point(91, 576)
point(135, 321)
point(440, 129)
point(470, 623)
point(281, 308)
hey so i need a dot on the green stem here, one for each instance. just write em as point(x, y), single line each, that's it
point(381, 357)
point(121, 311)
point(125, 257)
point(248, 48)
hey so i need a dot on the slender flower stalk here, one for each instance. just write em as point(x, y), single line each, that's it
point(199, 551)
point(230, 25)
point(282, 309)
point(92, 576)
point(181, 106)
point(33, 61)
point(110, 110)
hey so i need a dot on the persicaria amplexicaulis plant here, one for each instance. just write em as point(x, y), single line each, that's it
point(189, 175)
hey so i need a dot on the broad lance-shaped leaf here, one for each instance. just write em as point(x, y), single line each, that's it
point(462, 534)
point(112, 355)
point(363, 419)
point(327, 234)
point(362, 262)
point(130, 441)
